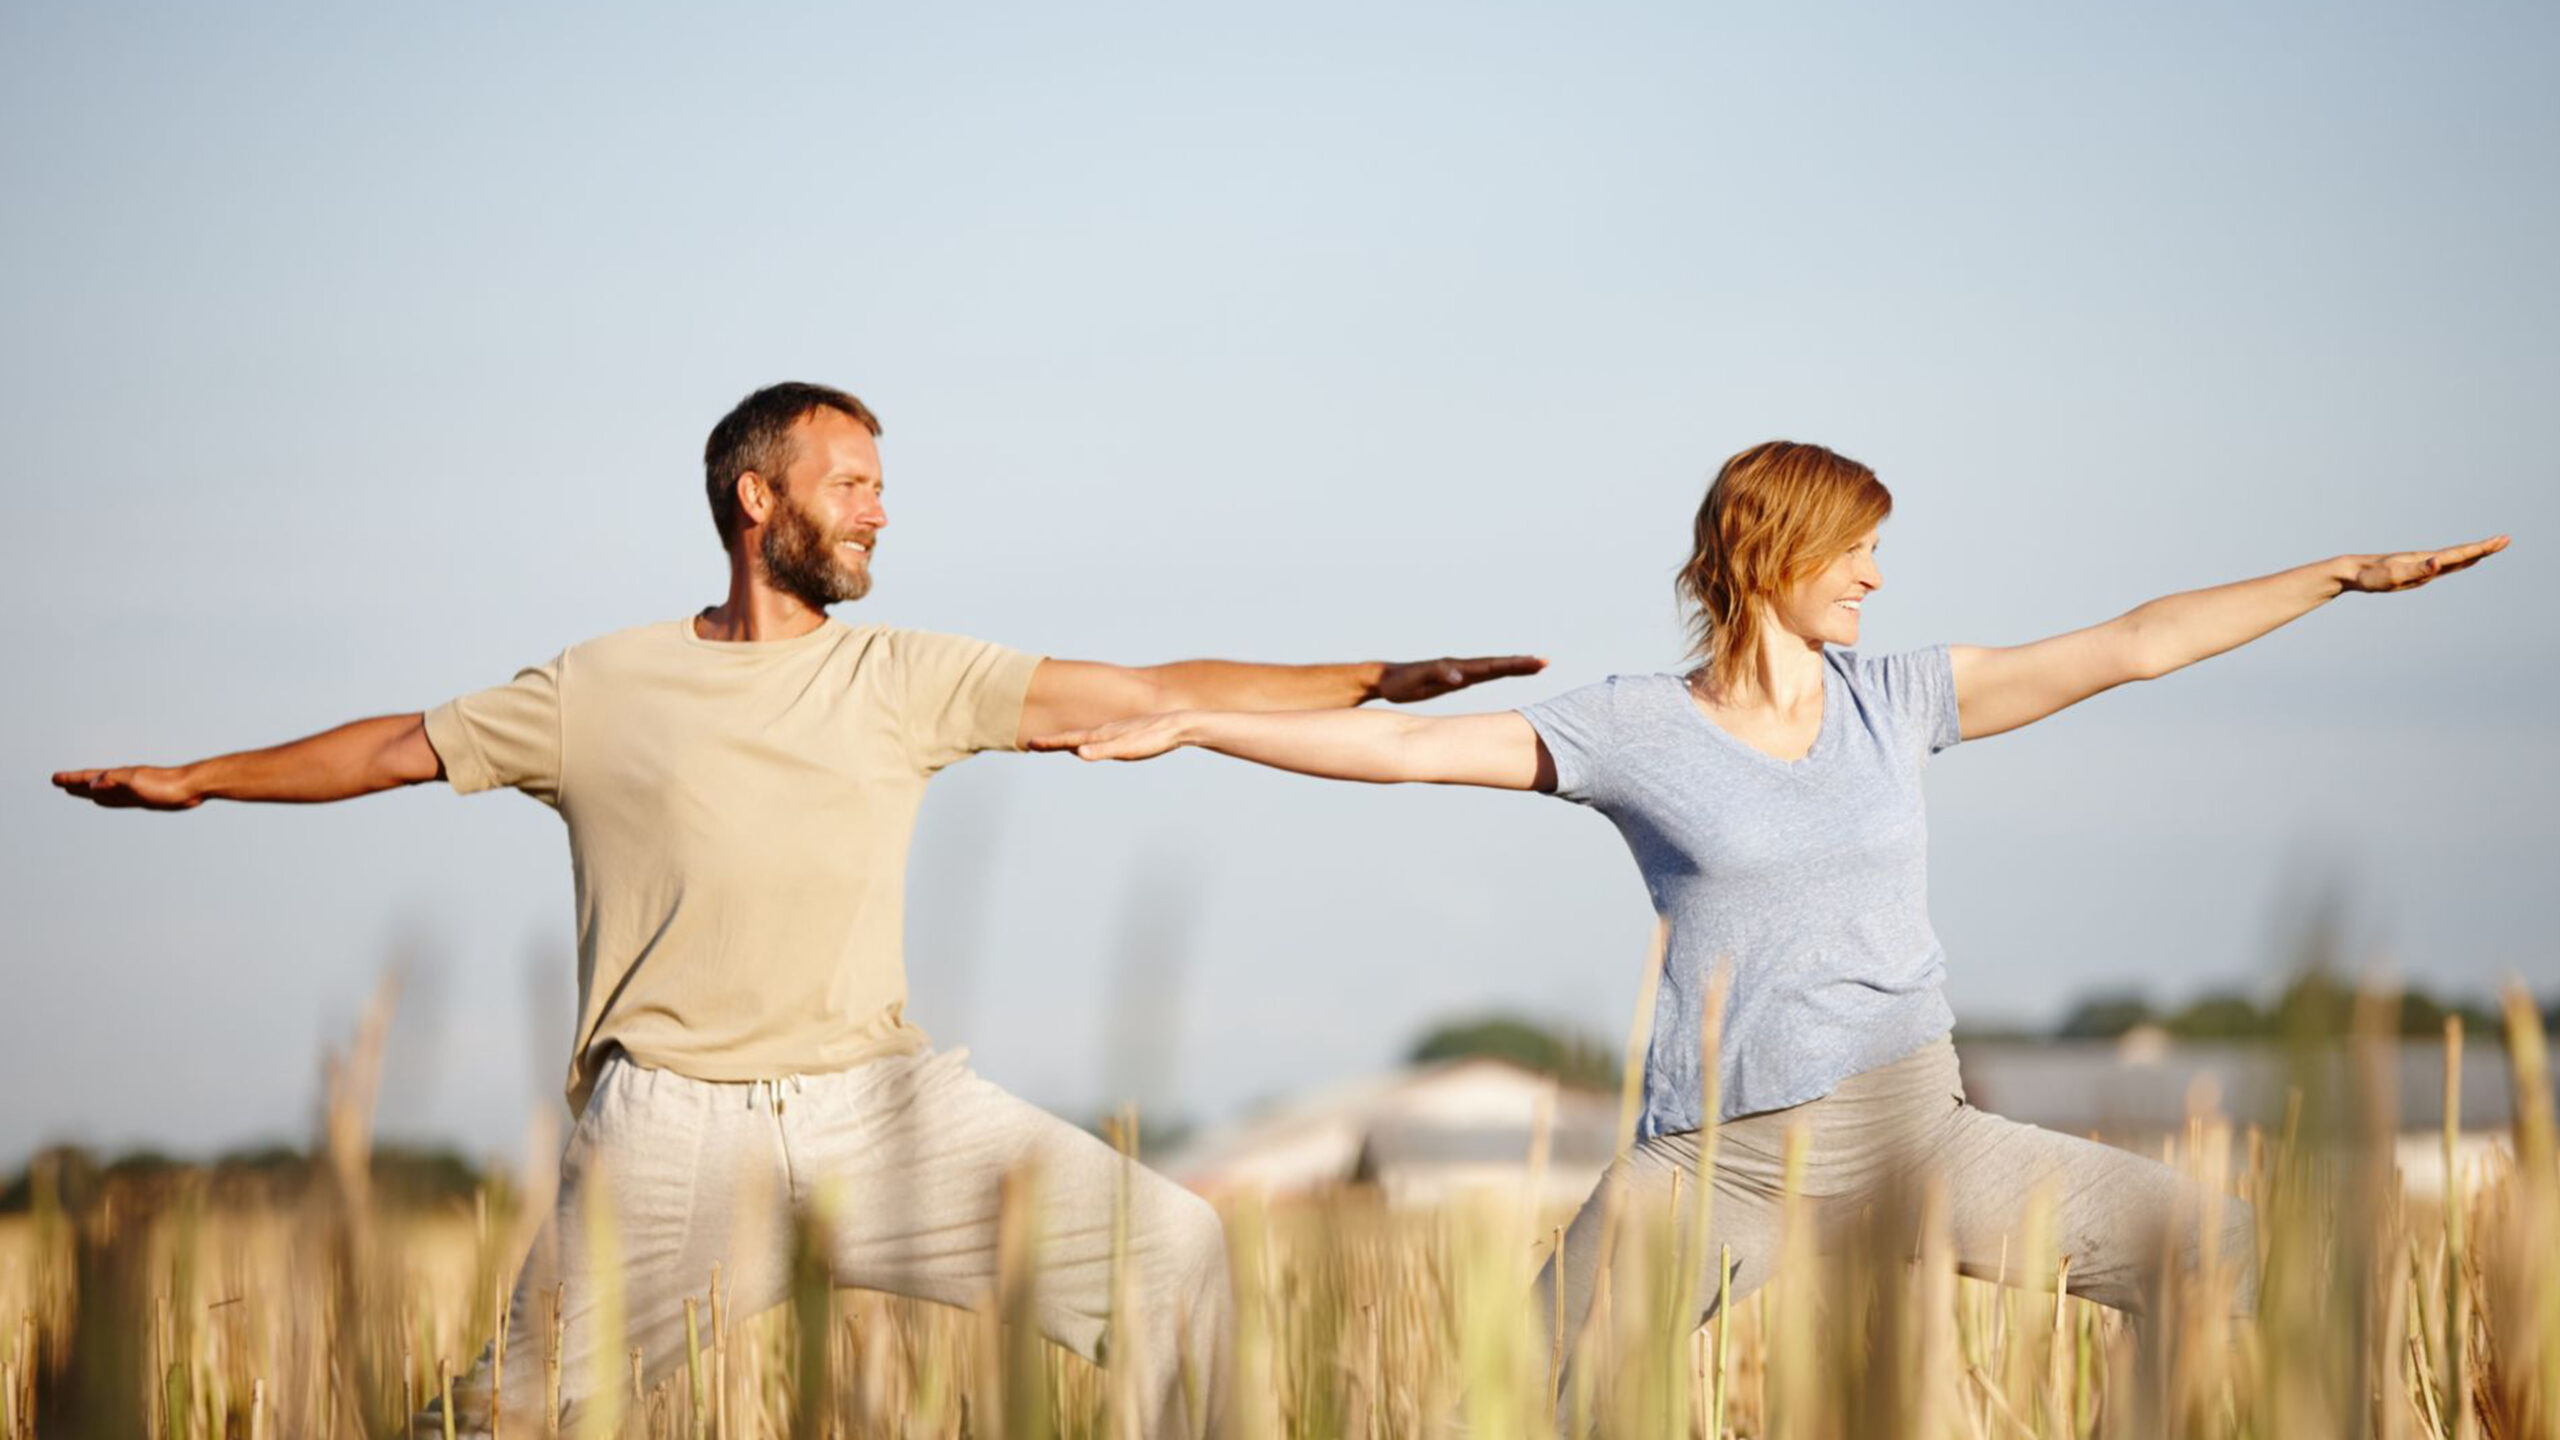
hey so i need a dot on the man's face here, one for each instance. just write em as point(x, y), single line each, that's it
point(826, 517)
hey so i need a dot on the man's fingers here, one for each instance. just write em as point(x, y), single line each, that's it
point(1426, 679)
point(88, 784)
point(1457, 673)
point(127, 787)
point(1500, 667)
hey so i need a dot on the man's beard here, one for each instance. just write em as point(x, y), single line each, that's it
point(802, 562)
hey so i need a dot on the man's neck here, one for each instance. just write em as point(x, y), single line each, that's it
point(756, 611)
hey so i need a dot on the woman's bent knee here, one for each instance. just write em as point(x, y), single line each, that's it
point(2239, 1256)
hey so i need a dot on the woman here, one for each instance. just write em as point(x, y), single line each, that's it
point(1772, 798)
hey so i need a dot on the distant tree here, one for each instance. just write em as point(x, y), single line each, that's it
point(67, 1172)
point(2105, 1017)
point(2422, 1016)
point(423, 1176)
point(2221, 1015)
point(144, 1164)
point(1573, 1059)
point(2316, 1005)
point(264, 1159)
point(2422, 1013)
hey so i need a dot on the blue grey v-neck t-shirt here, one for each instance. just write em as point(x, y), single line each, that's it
point(1810, 875)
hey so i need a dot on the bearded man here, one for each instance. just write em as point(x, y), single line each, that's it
point(739, 788)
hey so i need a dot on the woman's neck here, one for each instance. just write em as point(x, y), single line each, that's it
point(1787, 681)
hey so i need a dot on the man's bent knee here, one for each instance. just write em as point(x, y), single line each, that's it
point(1198, 1237)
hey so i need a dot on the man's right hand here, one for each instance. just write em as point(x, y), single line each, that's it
point(357, 758)
point(131, 787)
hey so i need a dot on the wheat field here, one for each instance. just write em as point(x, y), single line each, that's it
point(163, 1309)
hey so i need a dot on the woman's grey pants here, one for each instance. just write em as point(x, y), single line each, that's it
point(1896, 1126)
point(904, 1158)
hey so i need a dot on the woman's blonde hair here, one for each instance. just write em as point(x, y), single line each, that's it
point(1777, 513)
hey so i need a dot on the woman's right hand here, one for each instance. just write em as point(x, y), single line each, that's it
point(1140, 737)
point(1379, 747)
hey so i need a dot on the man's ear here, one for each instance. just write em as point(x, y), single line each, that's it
point(755, 498)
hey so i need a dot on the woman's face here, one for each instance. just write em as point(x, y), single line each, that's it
point(1823, 608)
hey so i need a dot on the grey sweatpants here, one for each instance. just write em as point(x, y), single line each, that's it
point(2116, 1213)
point(904, 1157)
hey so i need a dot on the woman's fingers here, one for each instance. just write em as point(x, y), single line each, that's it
point(2412, 568)
point(1120, 740)
point(1143, 742)
point(2463, 557)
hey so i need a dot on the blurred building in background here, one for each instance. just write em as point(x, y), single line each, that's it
point(1422, 1135)
point(1428, 1133)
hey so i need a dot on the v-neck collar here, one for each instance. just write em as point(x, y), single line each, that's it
point(1822, 733)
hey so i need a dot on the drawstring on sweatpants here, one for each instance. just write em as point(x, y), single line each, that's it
point(771, 1090)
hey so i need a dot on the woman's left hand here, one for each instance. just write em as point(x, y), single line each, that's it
point(2378, 574)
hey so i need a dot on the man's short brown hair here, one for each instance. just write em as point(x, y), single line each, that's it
point(756, 435)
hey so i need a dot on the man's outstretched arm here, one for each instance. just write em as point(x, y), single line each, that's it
point(357, 758)
point(1081, 694)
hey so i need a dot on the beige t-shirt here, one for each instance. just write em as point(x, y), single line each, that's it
point(738, 823)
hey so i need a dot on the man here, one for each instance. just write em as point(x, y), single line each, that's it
point(740, 788)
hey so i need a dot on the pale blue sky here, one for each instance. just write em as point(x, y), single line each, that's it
point(354, 359)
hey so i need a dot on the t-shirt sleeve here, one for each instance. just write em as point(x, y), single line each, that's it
point(1918, 689)
point(506, 735)
point(958, 696)
point(1581, 729)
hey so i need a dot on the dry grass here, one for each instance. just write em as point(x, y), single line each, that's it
point(162, 1311)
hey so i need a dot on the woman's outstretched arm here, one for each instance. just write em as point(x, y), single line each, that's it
point(2004, 688)
point(1498, 750)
